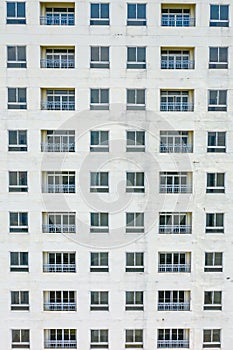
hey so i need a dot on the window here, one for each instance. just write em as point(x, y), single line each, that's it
point(177, 17)
point(58, 100)
point(59, 223)
point(99, 301)
point(173, 338)
point(16, 12)
point(217, 101)
point(173, 300)
point(99, 339)
point(17, 140)
point(99, 262)
point(213, 262)
point(16, 57)
point(177, 59)
point(99, 141)
point(99, 57)
point(59, 262)
point(59, 301)
point(176, 101)
point(99, 99)
point(54, 338)
point(176, 141)
point(218, 57)
point(19, 300)
point(99, 223)
point(175, 182)
point(136, 99)
point(134, 301)
point(215, 183)
point(219, 16)
point(134, 222)
point(136, 57)
point(58, 182)
point(20, 338)
point(58, 141)
point(58, 16)
point(133, 338)
point(58, 58)
point(216, 142)
point(19, 262)
point(135, 182)
point(100, 14)
point(99, 182)
point(213, 300)
point(211, 338)
point(17, 98)
point(136, 14)
point(214, 223)
point(18, 181)
point(175, 223)
point(134, 262)
point(174, 262)
point(18, 222)
point(135, 141)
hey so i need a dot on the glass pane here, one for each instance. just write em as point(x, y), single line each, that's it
point(104, 54)
point(13, 219)
point(14, 258)
point(141, 11)
point(11, 95)
point(11, 9)
point(104, 137)
point(95, 96)
point(11, 53)
point(224, 9)
point(218, 259)
point(217, 297)
point(208, 259)
point(94, 137)
point(104, 179)
point(14, 297)
point(131, 53)
point(24, 298)
point(222, 97)
point(207, 336)
point(21, 95)
point(220, 179)
point(15, 336)
point(24, 259)
point(20, 9)
point(141, 54)
point(104, 10)
point(131, 11)
point(94, 10)
point(131, 96)
point(214, 12)
point(22, 137)
point(95, 54)
point(21, 53)
point(12, 137)
point(141, 96)
point(104, 93)
point(213, 54)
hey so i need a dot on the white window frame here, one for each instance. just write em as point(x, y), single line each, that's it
point(211, 342)
point(96, 181)
point(17, 147)
point(174, 262)
point(21, 343)
point(18, 187)
point(19, 267)
point(100, 228)
point(213, 267)
point(16, 19)
point(213, 305)
point(17, 63)
point(99, 266)
point(137, 186)
point(219, 136)
point(137, 303)
point(17, 104)
point(176, 141)
point(100, 20)
point(135, 222)
point(99, 306)
point(60, 343)
point(172, 222)
point(215, 188)
point(58, 141)
point(53, 222)
point(100, 104)
point(135, 105)
point(99, 343)
point(136, 63)
point(218, 64)
point(135, 267)
point(215, 218)
point(19, 304)
point(101, 62)
point(133, 343)
point(133, 144)
point(217, 106)
point(137, 20)
point(19, 228)
point(103, 142)
point(219, 22)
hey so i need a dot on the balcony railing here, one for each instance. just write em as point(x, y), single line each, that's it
point(174, 268)
point(57, 106)
point(58, 228)
point(60, 344)
point(61, 188)
point(177, 64)
point(179, 306)
point(176, 148)
point(59, 268)
point(176, 106)
point(57, 147)
point(60, 306)
point(58, 19)
point(57, 63)
point(174, 229)
point(175, 188)
point(177, 21)
point(173, 344)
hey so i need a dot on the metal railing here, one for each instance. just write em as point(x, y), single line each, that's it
point(58, 19)
point(61, 188)
point(58, 228)
point(173, 344)
point(174, 268)
point(57, 147)
point(176, 106)
point(176, 188)
point(59, 268)
point(177, 64)
point(60, 344)
point(173, 229)
point(178, 306)
point(60, 306)
point(57, 63)
point(177, 21)
point(58, 105)
point(176, 148)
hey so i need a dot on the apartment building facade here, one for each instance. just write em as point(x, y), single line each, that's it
point(116, 173)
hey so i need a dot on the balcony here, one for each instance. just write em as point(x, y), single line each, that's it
point(58, 105)
point(60, 306)
point(175, 229)
point(175, 188)
point(177, 64)
point(174, 268)
point(62, 188)
point(175, 148)
point(60, 344)
point(57, 63)
point(178, 306)
point(59, 268)
point(57, 14)
point(173, 344)
point(176, 107)
point(58, 228)
point(57, 147)
point(177, 21)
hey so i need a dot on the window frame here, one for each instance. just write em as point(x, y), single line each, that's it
point(16, 19)
point(132, 143)
point(134, 104)
point(213, 266)
point(137, 186)
point(217, 137)
point(100, 20)
point(63, 262)
point(98, 257)
point(132, 339)
point(218, 64)
point(100, 305)
point(99, 344)
point(20, 177)
point(17, 147)
point(17, 63)
point(136, 63)
point(218, 22)
point(101, 62)
point(20, 305)
point(103, 142)
point(20, 266)
point(133, 220)
point(17, 104)
point(214, 218)
point(212, 305)
point(100, 217)
point(211, 343)
point(21, 217)
point(216, 188)
point(137, 298)
point(136, 258)
point(137, 20)
point(20, 334)
point(100, 104)
point(217, 107)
